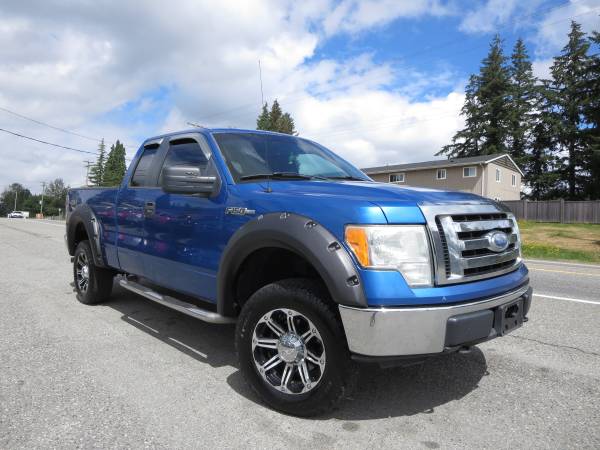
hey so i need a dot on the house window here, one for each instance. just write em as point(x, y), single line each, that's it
point(469, 172)
point(397, 178)
point(441, 174)
point(497, 175)
point(513, 180)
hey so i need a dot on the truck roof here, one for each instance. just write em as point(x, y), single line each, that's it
point(212, 130)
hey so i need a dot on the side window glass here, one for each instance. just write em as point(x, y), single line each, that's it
point(142, 170)
point(187, 152)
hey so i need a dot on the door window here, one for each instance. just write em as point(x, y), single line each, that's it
point(187, 152)
point(141, 176)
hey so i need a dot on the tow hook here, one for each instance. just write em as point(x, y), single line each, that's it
point(465, 350)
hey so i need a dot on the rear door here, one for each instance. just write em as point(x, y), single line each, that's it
point(185, 230)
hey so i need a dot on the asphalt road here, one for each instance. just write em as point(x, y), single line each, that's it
point(130, 373)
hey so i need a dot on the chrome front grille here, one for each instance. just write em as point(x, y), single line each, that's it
point(461, 245)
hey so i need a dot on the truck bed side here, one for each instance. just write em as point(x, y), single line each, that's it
point(92, 214)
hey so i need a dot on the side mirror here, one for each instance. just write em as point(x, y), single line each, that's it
point(187, 180)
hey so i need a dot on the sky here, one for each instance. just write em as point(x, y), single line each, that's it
point(377, 81)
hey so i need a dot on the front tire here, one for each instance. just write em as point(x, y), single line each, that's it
point(292, 349)
point(93, 284)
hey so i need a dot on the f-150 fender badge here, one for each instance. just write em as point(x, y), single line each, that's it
point(238, 211)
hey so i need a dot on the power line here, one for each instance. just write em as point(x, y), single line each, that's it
point(48, 143)
point(47, 124)
point(52, 143)
point(39, 122)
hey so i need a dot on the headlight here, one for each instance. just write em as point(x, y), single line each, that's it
point(404, 248)
point(516, 231)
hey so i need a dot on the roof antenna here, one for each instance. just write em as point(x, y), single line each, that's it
point(268, 189)
point(262, 95)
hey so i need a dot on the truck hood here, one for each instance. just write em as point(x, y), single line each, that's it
point(370, 191)
point(336, 204)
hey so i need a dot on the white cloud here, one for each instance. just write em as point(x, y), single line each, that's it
point(541, 68)
point(373, 128)
point(554, 27)
point(354, 16)
point(97, 67)
point(489, 16)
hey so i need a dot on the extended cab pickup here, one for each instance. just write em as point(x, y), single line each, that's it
point(317, 264)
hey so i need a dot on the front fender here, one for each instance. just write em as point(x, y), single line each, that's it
point(301, 235)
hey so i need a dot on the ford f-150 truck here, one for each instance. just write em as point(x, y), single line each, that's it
point(318, 265)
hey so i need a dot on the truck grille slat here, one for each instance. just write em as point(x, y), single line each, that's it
point(461, 241)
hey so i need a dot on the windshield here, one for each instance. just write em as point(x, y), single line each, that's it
point(257, 155)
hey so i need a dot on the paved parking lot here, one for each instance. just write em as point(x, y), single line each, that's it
point(130, 373)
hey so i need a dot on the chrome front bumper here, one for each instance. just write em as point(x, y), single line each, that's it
point(410, 330)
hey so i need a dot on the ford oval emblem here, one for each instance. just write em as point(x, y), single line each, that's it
point(497, 241)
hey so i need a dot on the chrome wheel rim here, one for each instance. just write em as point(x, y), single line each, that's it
point(82, 272)
point(288, 351)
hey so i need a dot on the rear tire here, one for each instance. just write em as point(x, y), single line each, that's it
point(292, 348)
point(93, 284)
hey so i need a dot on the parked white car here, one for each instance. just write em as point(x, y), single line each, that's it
point(16, 215)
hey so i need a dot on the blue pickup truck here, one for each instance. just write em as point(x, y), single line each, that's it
point(319, 266)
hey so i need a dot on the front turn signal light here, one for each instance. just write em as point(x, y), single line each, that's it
point(356, 237)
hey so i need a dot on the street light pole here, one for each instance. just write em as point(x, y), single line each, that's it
point(16, 195)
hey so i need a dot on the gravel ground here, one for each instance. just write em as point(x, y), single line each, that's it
point(130, 373)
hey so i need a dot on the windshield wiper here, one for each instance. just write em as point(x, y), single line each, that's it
point(281, 176)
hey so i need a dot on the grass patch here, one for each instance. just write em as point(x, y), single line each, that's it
point(573, 242)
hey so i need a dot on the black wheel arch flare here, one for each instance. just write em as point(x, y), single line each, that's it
point(301, 235)
point(84, 215)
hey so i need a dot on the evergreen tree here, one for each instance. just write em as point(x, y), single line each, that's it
point(275, 120)
point(115, 167)
point(486, 109)
point(286, 124)
point(569, 72)
point(494, 93)
point(263, 122)
point(466, 142)
point(592, 117)
point(275, 116)
point(540, 166)
point(97, 170)
point(524, 97)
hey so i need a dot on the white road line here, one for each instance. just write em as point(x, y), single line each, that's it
point(567, 299)
point(561, 263)
point(47, 222)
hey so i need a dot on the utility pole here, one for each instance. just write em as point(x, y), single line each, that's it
point(16, 195)
point(42, 201)
point(87, 172)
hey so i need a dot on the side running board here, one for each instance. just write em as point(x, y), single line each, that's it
point(176, 304)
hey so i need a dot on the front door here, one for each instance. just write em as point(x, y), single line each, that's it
point(184, 231)
point(132, 201)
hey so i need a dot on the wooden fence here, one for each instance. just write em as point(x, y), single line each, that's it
point(562, 211)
